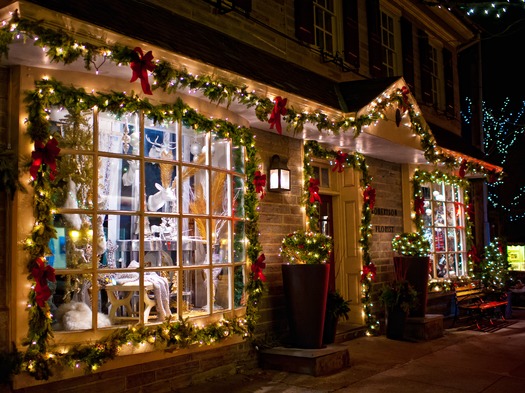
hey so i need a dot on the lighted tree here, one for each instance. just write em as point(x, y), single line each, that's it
point(502, 129)
point(494, 268)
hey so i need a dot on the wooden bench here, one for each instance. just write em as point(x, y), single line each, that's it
point(474, 303)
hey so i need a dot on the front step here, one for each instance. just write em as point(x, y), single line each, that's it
point(316, 362)
point(347, 331)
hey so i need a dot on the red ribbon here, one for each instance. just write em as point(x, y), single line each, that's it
point(140, 67)
point(473, 254)
point(259, 181)
point(45, 154)
point(419, 205)
point(404, 95)
point(369, 196)
point(340, 162)
point(462, 169)
point(279, 109)
point(313, 188)
point(42, 273)
point(369, 270)
point(257, 268)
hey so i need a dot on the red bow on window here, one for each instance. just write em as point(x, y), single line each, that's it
point(42, 273)
point(257, 268)
point(259, 180)
point(369, 271)
point(419, 205)
point(369, 196)
point(340, 162)
point(45, 154)
point(313, 188)
point(275, 117)
point(140, 67)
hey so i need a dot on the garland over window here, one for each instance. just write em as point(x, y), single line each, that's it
point(40, 356)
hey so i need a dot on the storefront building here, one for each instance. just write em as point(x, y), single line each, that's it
point(145, 250)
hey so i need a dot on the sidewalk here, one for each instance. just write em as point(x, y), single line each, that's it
point(463, 360)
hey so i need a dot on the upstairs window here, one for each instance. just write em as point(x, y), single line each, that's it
point(389, 46)
point(325, 25)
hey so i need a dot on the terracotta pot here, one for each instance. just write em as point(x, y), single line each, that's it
point(305, 292)
point(415, 271)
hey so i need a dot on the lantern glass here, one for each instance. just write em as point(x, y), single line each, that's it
point(279, 175)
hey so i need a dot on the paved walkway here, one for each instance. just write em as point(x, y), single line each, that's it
point(463, 360)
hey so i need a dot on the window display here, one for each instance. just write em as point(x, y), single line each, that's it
point(153, 230)
point(444, 227)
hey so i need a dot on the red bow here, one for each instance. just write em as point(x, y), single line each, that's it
point(492, 178)
point(140, 66)
point(42, 273)
point(257, 268)
point(473, 254)
point(369, 270)
point(419, 205)
point(275, 117)
point(259, 181)
point(313, 188)
point(340, 162)
point(369, 196)
point(462, 169)
point(404, 95)
point(45, 154)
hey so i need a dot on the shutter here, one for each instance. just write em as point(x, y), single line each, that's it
point(426, 76)
point(304, 20)
point(375, 57)
point(449, 83)
point(407, 51)
point(351, 32)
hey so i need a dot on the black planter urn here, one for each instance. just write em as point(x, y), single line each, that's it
point(305, 293)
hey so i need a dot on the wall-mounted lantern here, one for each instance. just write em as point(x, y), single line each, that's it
point(279, 175)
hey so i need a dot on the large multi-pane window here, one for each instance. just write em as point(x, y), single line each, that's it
point(444, 226)
point(150, 222)
point(325, 25)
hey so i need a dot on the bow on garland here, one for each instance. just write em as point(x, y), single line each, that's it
point(340, 162)
point(419, 205)
point(369, 196)
point(313, 189)
point(404, 105)
point(473, 254)
point(140, 67)
point(42, 273)
point(369, 271)
point(259, 180)
point(257, 268)
point(45, 154)
point(462, 169)
point(279, 109)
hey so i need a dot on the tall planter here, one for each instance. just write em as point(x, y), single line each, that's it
point(305, 292)
point(415, 270)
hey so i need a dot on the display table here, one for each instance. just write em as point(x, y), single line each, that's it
point(122, 296)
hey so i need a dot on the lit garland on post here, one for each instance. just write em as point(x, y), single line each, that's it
point(357, 161)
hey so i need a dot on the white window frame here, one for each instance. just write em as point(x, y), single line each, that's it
point(390, 40)
point(436, 74)
point(333, 8)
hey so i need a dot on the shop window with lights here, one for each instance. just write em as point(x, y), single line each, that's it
point(149, 224)
point(444, 227)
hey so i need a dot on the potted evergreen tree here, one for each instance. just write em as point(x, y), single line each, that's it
point(305, 284)
point(336, 307)
point(398, 298)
